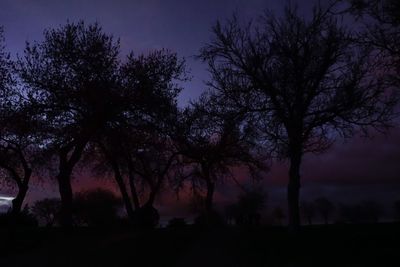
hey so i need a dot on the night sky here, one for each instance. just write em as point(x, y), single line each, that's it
point(353, 170)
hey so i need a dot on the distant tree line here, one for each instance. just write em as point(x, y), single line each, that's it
point(281, 87)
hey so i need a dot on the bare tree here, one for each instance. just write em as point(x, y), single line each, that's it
point(213, 140)
point(380, 30)
point(304, 81)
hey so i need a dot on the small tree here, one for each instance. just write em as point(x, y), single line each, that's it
point(247, 210)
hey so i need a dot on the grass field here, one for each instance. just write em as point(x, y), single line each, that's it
point(335, 245)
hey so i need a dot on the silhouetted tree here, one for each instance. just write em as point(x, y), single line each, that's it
point(247, 210)
point(97, 207)
point(47, 210)
point(372, 211)
point(303, 80)
point(71, 77)
point(325, 208)
point(213, 140)
point(309, 211)
point(140, 149)
point(364, 212)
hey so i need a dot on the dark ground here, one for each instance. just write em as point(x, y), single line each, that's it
point(335, 245)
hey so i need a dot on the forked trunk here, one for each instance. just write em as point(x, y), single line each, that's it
point(122, 188)
point(134, 194)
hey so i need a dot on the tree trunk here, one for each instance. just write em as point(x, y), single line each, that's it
point(19, 199)
point(293, 189)
point(154, 191)
point(22, 190)
point(134, 194)
point(65, 188)
point(209, 196)
point(122, 188)
point(66, 165)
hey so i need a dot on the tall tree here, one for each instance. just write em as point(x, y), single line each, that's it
point(72, 79)
point(304, 80)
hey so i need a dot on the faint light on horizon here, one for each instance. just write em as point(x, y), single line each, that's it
point(5, 203)
point(4, 198)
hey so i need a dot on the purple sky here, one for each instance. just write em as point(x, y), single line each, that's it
point(355, 170)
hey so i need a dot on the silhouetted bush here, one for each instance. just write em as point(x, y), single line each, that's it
point(47, 210)
point(146, 217)
point(97, 207)
point(365, 212)
point(247, 210)
point(209, 219)
point(22, 219)
point(325, 208)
